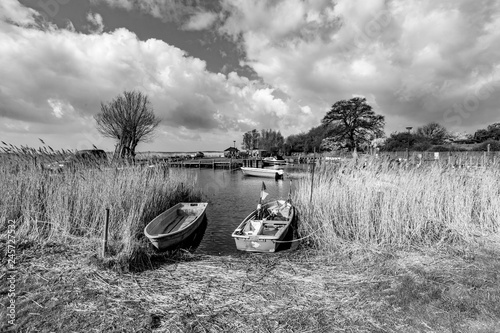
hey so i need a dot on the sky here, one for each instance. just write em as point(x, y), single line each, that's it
point(216, 69)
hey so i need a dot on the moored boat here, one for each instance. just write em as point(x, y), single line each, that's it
point(273, 161)
point(175, 224)
point(261, 172)
point(265, 227)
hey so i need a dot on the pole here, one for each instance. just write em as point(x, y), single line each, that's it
point(105, 236)
point(408, 150)
point(312, 175)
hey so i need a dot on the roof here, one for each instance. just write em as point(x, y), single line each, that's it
point(231, 149)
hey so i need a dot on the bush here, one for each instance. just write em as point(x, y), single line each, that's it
point(421, 146)
point(438, 148)
point(494, 146)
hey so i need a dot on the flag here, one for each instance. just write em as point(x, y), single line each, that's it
point(263, 193)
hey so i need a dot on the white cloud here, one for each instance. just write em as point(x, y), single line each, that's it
point(416, 58)
point(201, 21)
point(13, 11)
point(416, 61)
point(71, 73)
point(97, 23)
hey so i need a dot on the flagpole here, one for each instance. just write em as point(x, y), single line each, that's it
point(290, 192)
point(259, 206)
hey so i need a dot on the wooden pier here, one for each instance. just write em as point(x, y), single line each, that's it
point(253, 163)
point(206, 163)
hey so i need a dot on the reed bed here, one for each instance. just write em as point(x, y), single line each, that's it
point(69, 206)
point(375, 203)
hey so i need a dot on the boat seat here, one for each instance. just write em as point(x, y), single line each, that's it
point(253, 228)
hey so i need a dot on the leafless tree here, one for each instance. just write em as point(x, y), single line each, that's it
point(129, 118)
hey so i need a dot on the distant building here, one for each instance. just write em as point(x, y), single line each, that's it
point(231, 152)
point(259, 153)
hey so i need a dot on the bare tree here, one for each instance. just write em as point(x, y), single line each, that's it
point(129, 118)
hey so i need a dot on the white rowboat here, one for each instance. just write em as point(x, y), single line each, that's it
point(175, 224)
point(263, 234)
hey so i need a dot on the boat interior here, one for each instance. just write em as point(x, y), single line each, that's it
point(263, 227)
point(274, 219)
point(182, 218)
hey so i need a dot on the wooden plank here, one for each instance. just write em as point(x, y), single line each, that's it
point(188, 220)
point(179, 219)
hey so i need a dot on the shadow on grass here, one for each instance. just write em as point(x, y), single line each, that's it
point(146, 257)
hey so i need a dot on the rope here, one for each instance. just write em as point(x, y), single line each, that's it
point(302, 238)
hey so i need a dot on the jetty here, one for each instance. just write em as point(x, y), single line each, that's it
point(224, 163)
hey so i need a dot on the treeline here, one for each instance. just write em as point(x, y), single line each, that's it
point(267, 139)
point(352, 124)
point(435, 137)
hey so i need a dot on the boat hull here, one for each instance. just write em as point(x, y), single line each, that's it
point(174, 225)
point(255, 235)
point(266, 173)
point(273, 161)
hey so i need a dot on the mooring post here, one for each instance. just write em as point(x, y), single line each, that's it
point(105, 236)
point(312, 175)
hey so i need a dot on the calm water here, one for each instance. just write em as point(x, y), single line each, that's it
point(231, 197)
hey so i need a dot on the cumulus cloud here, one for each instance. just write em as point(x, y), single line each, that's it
point(415, 61)
point(14, 12)
point(57, 78)
point(97, 25)
point(420, 60)
point(200, 21)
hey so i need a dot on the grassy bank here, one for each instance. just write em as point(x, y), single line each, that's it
point(383, 290)
point(385, 250)
point(70, 205)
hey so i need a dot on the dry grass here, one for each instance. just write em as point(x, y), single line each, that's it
point(365, 290)
point(60, 206)
point(378, 204)
point(393, 250)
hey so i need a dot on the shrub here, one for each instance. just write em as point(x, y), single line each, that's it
point(494, 146)
point(438, 148)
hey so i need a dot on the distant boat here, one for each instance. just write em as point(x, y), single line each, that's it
point(273, 161)
point(263, 233)
point(260, 172)
point(175, 224)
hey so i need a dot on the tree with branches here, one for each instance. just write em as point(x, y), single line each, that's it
point(353, 123)
point(129, 118)
point(251, 140)
point(435, 133)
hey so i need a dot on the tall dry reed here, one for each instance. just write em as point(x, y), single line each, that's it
point(374, 203)
point(70, 205)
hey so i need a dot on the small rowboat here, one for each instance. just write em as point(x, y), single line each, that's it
point(263, 233)
point(175, 224)
point(260, 172)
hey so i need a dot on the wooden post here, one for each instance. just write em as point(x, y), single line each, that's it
point(488, 152)
point(312, 175)
point(105, 235)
